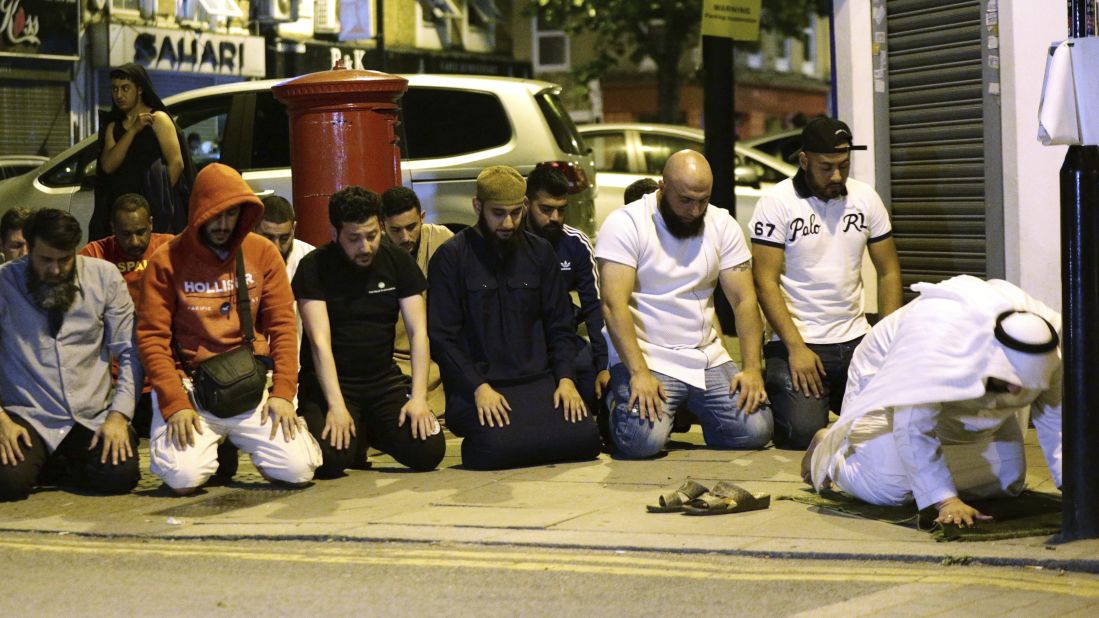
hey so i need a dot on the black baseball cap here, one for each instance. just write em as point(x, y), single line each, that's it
point(824, 135)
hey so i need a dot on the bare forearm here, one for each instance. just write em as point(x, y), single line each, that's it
point(114, 156)
point(326, 371)
point(623, 335)
point(749, 328)
point(420, 364)
point(774, 307)
point(175, 170)
point(890, 294)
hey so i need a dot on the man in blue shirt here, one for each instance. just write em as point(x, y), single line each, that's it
point(63, 317)
point(502, 331)
point(547, 195)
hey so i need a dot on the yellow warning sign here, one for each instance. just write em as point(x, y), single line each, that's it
point(733, 19)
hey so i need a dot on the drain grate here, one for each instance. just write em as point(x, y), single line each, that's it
point(231, 501)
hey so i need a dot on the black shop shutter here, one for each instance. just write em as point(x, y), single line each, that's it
point(34, 118)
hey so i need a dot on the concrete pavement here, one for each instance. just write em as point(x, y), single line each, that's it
point(598, 504)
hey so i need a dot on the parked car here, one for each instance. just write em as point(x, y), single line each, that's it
point(452, 127)
point(783, 145)
point(17, 165)
point(625, 153)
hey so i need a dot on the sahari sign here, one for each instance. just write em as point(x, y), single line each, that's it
point(161, 49)
point(40, 28)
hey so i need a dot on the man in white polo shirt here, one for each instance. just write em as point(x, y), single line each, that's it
point(808, 238)
point(660, 260)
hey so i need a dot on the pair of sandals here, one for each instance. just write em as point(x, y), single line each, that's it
point(693, 498)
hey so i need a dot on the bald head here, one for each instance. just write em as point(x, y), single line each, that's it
point(685, 192)
point(689, 168)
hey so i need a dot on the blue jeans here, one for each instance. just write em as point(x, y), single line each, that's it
point(723, 424)
point(798, 417)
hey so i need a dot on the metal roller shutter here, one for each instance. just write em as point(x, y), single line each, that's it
point(938, 137)
point(34, 118)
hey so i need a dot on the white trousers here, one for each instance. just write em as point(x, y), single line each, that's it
point(191, 466)
point(871, 469)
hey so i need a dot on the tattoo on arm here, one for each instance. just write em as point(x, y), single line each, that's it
point(746, 265)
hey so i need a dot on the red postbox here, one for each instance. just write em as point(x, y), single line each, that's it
point(343, 131)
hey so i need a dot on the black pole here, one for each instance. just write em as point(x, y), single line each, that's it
point(835, 107)
point(718, 114)
point(1080, 302)
point(718, 118)
point(379, 32)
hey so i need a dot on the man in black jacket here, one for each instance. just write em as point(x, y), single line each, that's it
point(503, 334)
point(547, 197)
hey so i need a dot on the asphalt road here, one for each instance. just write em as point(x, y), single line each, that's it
point(50, 575)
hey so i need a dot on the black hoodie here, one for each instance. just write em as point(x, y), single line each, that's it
point(168, 204)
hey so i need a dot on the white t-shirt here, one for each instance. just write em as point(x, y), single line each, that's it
point(297, 251)
point(824, 244)
point(672, 304)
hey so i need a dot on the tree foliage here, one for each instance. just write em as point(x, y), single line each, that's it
point(659, 29)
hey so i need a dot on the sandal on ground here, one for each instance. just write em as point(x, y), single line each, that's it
point(673, 501)
point(727, 498)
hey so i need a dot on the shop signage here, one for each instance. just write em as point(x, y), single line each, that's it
point(42, 28)
point(323, 58)
point(162, 49)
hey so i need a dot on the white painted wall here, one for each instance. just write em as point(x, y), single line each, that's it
point(855, 98)
point(1032, 231)
point(855, 81)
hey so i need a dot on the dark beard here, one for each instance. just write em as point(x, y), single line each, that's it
point(501, 247)
point(52, 296)
point(678, 227)
point(551, 232)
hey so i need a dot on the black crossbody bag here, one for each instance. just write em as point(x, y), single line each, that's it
point(232, 382)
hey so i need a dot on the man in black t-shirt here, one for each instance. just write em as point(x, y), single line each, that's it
point(351, 393)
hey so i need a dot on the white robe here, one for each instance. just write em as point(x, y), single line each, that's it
point(916, 422)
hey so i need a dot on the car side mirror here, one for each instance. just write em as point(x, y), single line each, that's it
point(87, 175)
point(747, 176)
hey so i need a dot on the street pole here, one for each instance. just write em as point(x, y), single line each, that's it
point(379, 32)
point(1080, 300)
point(718, 109)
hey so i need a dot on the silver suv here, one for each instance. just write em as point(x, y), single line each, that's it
point(452, 127)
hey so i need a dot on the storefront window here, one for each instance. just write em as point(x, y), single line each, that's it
point(125, 6)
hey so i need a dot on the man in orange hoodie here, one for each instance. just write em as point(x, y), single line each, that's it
point(189, 296)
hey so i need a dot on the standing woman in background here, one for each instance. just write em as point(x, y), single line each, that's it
point(140, 152)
